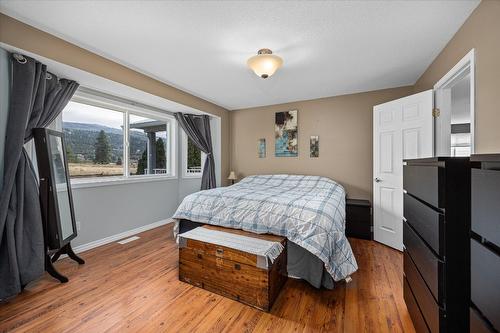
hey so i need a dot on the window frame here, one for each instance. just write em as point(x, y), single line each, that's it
point(128, 108)
point(184, 147)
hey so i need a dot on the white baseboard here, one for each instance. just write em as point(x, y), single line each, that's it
point(125, 234)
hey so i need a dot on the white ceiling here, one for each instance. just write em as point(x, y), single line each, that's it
point(329, 48)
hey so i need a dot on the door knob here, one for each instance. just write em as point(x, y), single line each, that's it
point(378, 180)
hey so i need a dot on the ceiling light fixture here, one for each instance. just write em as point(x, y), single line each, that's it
point(265, 63)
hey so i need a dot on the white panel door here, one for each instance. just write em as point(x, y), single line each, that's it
point(402, 129)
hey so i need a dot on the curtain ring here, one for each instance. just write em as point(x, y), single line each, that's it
point(20, 58)
point(48, 76)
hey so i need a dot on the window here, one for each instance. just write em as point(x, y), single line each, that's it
point(193, 158)
point(94, 140)
point(112, 139)
point(148, 146)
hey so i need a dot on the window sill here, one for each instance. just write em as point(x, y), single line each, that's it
point(191, 176)
point(112, 181)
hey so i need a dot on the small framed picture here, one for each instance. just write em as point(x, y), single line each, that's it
point(314, 146)
point(261, 148)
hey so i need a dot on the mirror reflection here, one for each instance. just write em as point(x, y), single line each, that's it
point(57, 156)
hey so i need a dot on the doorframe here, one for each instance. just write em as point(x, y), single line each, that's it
point(468, 62)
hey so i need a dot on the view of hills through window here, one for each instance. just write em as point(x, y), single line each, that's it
point(95, 142)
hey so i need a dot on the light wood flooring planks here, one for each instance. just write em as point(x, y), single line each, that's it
point(134, 287)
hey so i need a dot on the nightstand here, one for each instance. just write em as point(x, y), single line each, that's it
point(359, 219)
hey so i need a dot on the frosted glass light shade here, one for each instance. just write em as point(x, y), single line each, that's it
point(232, 176)
point(265, 64)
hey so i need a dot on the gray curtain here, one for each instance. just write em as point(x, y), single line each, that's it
point(197, 129)
point(36, 98)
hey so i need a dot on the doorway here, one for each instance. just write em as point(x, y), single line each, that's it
point(411, 127)
point(454, 113)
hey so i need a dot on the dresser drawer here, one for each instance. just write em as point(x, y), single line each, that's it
point(413, 309)
point(426, 262)
point(477, 324)
point(485, 199)
point(485, 282)
point(426, 221)
point(428, 306)
point(423, 182)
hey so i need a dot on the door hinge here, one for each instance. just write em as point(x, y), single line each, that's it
point(436, 112)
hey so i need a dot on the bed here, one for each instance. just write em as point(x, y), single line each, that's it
point(308, 210)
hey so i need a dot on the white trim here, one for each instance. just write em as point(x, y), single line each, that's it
point(77, 183)
point(172, 150)
point(125, 234)
point(96, 98)
point(126, 144)
point(456, 70)
point(468, 62)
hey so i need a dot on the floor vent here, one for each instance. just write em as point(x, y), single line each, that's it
point(128, 240)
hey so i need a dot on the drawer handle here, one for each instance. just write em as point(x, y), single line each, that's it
point(199, 255)
point(219, 252)
point(237, 266)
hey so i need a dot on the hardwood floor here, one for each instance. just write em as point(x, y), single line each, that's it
point(135, 288)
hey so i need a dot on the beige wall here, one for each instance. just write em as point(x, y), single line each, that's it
point(481, 31)
point(25, 37)
point(344, 126)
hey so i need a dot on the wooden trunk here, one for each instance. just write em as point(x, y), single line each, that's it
point(232, 273)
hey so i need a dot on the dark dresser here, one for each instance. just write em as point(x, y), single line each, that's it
point(485, 243)
point(436, 238)
point(359, 219)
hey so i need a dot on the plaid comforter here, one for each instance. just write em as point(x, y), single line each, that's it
point(308, 210)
